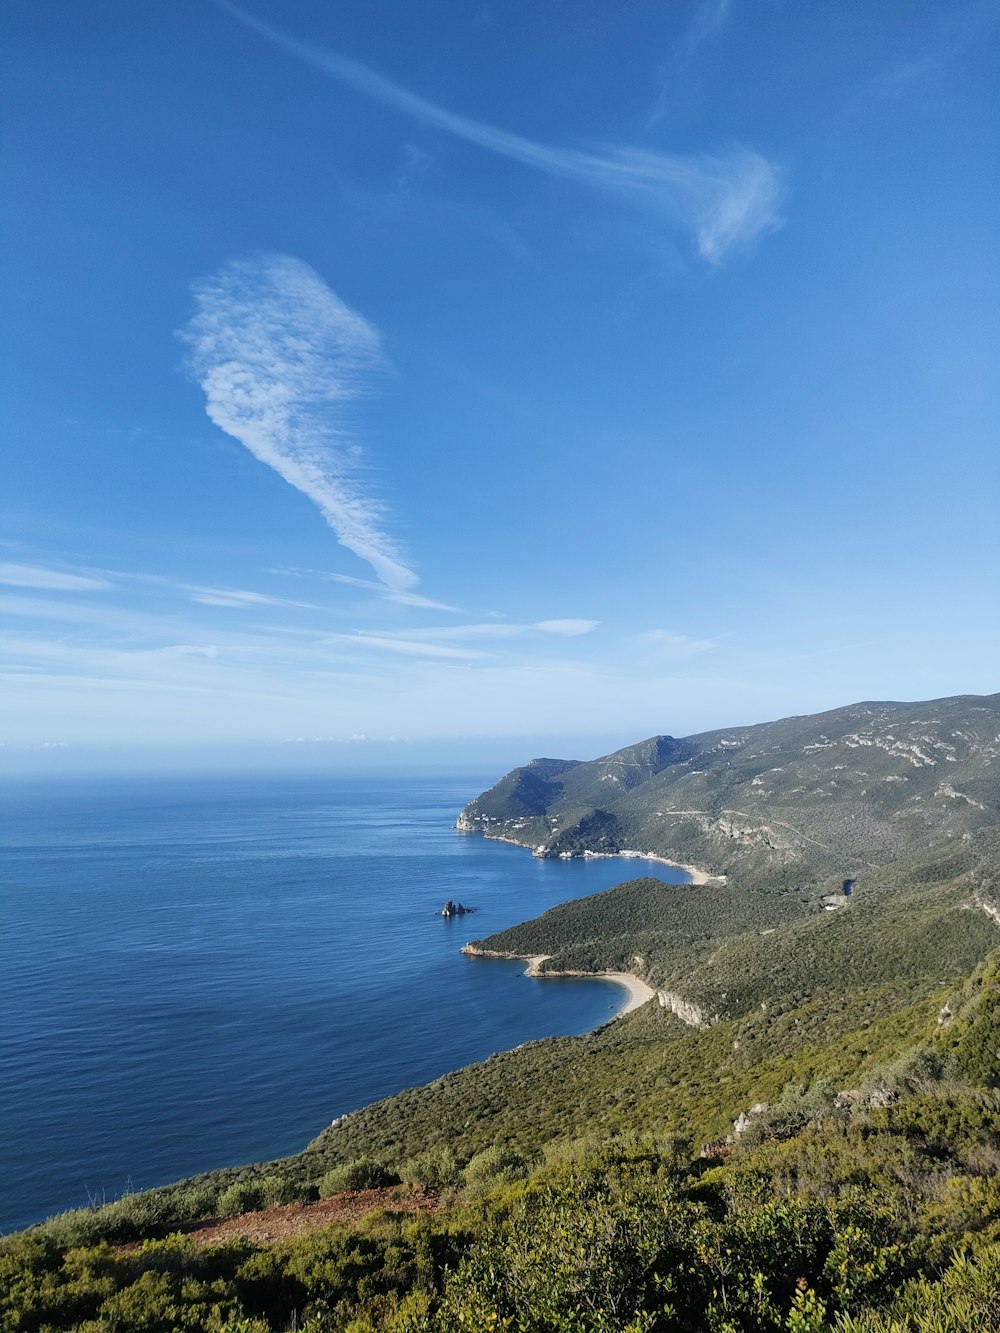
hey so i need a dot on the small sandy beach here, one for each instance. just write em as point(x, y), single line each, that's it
point(638, 992)
point(693, 873)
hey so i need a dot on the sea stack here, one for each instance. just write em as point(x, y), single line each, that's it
point(455, 909)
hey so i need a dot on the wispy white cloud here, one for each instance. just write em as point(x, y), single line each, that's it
point(569, 629)
point(369, 585)
point(418, 599)
point(208, 595)
point(32, 653)
point(958, 28)
point(725, 200)
point(491, 629)
point(278, 356)
point(409, 647)
point(36, 576)
point(666, 643)
point(708, 20)
point(402, 598)
point(240, 597)
point(501, 629)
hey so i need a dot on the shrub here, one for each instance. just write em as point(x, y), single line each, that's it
point(797, 1107)
point(278, 1190)
point(915, 1071)
point(80, 1226)
point(196, 1201)
point(493, 1166)
point(434, 1169)
point(364, 1173)
point(245, 1196)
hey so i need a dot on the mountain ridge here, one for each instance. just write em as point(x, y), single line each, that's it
point(768, 802)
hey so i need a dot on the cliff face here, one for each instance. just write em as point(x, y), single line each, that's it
point(837, 790)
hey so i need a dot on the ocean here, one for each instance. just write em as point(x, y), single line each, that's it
point(203, 972)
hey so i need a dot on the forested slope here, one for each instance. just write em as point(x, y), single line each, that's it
point(924, 920)
point(803, 1134)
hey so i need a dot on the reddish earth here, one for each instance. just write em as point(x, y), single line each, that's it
point(274, 1224)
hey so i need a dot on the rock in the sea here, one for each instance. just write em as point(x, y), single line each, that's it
point(455, 909)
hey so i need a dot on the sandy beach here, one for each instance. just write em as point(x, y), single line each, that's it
point(638, 992)
point(693, 873)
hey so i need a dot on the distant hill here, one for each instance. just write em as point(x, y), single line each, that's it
point(827, 794)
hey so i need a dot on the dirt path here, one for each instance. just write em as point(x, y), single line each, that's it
point(294, 1219)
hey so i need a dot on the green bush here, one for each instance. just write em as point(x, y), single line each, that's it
point(965, 1297)
point(131, 1216)
point(364, 1173)
point(918, 1070)
point(496, 1165)
point(245, 1196)
point(196, 1201)
point(797, 1107)
point(278, 1190)
point(434, 1169)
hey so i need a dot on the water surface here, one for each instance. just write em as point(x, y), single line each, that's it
point(199, 973)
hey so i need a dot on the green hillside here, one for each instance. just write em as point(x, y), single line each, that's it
point(801, 1133)
point(575, 1194)
point(831, 793)
point(924, 919)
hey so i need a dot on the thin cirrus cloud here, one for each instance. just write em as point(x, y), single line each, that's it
point(724, 200)
point(55, 580)
point(500, 630)
point(445, 641)
point(567, 629)
point(667, 643)
point(369, 585)
point(404, 647)
point(707, 22)
point(240, 597)
point(278, 356)
point(403, 598)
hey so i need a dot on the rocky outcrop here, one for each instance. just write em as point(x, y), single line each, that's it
point(746, 1118)
point(691, 1014)
point(989, 908)
point(717, 1147)
point(452, 908)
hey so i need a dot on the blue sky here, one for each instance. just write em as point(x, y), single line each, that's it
point(491, 379)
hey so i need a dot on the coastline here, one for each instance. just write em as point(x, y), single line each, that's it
point(694, 873)
point(638, 992)
point(257, 843)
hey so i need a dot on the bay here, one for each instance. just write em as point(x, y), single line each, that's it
point(202, 972)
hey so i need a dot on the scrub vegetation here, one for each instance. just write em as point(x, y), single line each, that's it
point(803, 1134)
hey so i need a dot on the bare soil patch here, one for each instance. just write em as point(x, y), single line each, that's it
point(294, 1219)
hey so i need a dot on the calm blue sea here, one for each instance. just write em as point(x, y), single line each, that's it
point(202, 972)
